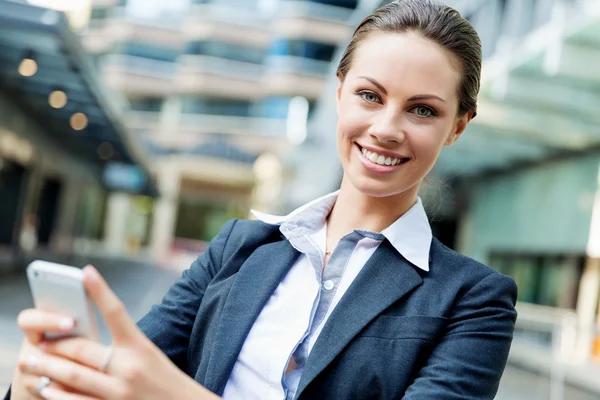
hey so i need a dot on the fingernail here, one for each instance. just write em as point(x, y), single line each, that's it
point(91, 273)
point(49, 393)
point(66, 324)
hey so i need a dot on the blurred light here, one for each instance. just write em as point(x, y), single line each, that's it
point(297, 120)
point(118, 176)
point(79, 121)
point(77, 11)
point(28, 67)
point(593, 244)
point(57, 99)
point(12, 145)
point(554, 50)
point(266, 167)
point(106, 151)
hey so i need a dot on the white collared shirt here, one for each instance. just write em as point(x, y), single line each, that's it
point(291, 321)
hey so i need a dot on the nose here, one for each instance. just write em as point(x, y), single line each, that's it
point(388, 129)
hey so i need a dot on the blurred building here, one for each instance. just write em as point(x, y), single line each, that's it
point(520, 190)
point(220, 91)
point(62, 147)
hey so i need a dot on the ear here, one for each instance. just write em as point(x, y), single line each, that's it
point(338, 92)
point(459, 127)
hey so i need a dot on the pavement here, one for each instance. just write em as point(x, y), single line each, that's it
point(139, 286)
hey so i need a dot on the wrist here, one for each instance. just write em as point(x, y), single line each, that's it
point(194, 391)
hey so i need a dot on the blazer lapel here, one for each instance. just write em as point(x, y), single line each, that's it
point(384, 279)
point(256, 280)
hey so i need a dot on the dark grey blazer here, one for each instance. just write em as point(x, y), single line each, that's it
point(398, 332)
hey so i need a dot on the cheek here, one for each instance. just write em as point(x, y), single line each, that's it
point(427, 143)
point(351, 123)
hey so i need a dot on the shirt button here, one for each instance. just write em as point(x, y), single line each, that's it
point(328, 285)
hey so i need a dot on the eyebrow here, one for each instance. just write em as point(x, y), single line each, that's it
point(426, 97)
point(414, 98)
point(374, 82)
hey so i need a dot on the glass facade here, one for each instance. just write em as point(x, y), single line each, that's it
point(202, 220)
point(268, 107)
point(277, 107)
point(153, 104)
point(100, 13)
point(338, 3)
point(302, 48)
point(549, 280)
point(216, 106)
point(145, 50)
point(229, 51)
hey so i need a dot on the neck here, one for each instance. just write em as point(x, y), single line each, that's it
point(356, 210)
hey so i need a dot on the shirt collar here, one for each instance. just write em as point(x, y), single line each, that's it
point(410, 234)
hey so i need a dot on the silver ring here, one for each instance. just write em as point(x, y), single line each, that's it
point(107, 359)
point(43, 384)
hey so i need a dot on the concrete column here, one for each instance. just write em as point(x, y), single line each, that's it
point(165, 212)
point(119, 205)
point(170, 115)
point(62, 240)
point(30, 195)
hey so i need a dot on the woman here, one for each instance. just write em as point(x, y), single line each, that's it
point(348, 297)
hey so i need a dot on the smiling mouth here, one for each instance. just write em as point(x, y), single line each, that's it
point(380, 159)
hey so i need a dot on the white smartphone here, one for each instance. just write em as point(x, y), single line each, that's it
point(59, 288)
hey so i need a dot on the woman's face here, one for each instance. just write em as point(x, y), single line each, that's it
point(397, 108)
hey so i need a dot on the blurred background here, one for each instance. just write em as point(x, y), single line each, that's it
point(131, 130)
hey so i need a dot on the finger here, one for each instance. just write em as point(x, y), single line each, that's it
point(34, 323)
point(32, 383)
point(50, 393)
point(77, 377)
point(81, 350)
point(113, 311)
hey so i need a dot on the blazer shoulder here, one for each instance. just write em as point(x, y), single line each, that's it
point(466, 268)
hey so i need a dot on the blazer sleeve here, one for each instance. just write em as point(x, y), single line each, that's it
point(169, 324)
point(470, 358)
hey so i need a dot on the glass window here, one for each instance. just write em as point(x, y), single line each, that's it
point(302, 48)
point(526, 273)
point(225, 50)
point(549, 280)
point(146, 103)
point(146, 51)
point(202, 220)
point(216, 106)
point(277, 107)
point(99, 13)
point(339, 3)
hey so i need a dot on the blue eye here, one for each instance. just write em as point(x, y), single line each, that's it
point(369, 96)
point(423, 111)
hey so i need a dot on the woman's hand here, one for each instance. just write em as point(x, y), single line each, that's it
point(34, 323)
point(133, 369)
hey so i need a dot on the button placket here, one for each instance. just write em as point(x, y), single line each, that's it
point(328, 285)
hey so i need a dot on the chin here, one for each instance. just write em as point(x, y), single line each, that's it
point(374, 188)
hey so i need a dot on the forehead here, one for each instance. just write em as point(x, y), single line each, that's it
point(407, 62)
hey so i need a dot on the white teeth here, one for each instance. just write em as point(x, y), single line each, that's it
point(379, 159)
